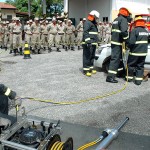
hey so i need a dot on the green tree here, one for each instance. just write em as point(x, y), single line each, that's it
point(36, 5)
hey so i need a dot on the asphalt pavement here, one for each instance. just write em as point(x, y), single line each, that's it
point(57, 76)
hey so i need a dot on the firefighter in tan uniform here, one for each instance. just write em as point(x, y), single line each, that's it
point(28, 33)
point(53, 30)
point(70, 37)
point(10, 27)
point(108, 33)
point(36, 29)
point(100, 31)
point(6, 35)
point(104, 31)
point(44, 35)
point(79, 29)
point(1, 35)
point(17, 37)
point(61, 34)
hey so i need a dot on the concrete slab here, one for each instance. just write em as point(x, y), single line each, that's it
point(84, 134)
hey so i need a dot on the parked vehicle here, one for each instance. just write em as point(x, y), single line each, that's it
point(103, 56)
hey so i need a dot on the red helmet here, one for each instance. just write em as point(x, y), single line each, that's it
point(124, 11)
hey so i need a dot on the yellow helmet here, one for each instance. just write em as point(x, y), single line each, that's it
point(139, 22)
point(138, 18)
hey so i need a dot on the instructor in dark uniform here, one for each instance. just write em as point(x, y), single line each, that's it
point(138, 44)
point(119, 34)
point(90, 41)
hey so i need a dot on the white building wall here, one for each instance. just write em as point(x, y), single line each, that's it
point(135, 6)
point(80, 8)
point(6, 12)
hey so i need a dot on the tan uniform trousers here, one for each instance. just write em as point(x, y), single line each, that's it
point(53, 40)
point(10, 41)
point(28, 38)
point(61, 39)
point(6, 39)
point(36, 42)
point(70, 39)
point(108, 38)
point(2, 39)
point(44, 40)
point(17, 41)
point(79, 38)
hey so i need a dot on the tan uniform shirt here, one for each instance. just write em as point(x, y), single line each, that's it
point(70, 29)
point(17, 28)
point(35, 28)
point(52, 29)
point(27, 29)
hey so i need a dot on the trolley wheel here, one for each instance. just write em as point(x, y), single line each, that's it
point(53, 140)
point(68, 145)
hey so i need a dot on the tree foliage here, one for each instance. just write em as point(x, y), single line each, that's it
point(53, 6)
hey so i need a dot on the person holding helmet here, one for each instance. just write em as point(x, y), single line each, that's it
point(138, 44)
point(90, 41)
point(119, 34)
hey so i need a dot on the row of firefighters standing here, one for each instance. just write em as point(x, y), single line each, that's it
point(136, 41)
point(44, 34)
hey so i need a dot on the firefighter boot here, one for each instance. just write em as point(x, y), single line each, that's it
point(138, 82)
point(58, 50)
point(15, 52)
point(87, 73)
point(111, 79)
point(94, 71)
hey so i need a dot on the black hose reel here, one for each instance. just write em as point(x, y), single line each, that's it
point(56, 144)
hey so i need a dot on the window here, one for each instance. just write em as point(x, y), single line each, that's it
point(9, 17)
point(105, 19)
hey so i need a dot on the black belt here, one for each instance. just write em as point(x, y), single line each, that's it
point(61, 33)
point(16, 33)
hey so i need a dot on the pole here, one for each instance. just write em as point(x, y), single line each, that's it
point(44, 7)
point(29, 8)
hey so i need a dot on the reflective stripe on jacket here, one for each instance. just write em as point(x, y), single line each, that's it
point(138, 41)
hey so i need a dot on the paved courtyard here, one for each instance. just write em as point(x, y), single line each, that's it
point(57, 76)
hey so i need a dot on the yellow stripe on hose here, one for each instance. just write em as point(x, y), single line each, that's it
point(60, 146)
point(54, 145)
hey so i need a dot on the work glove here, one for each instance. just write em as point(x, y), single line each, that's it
point(5, 123)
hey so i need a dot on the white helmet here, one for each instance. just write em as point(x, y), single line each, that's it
point(95, 13)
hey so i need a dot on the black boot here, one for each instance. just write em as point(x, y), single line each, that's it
point(49, 50)
point(5, 48)
point(15, 52)
point(111, 79)
point(137, 82)
point(78, 47)
point(68, 46)
point(72, 48)
point(20, 51)
point(63, 46)
point(39, 51)
point(66, 49)
point(10, 52)
point(58, 50)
